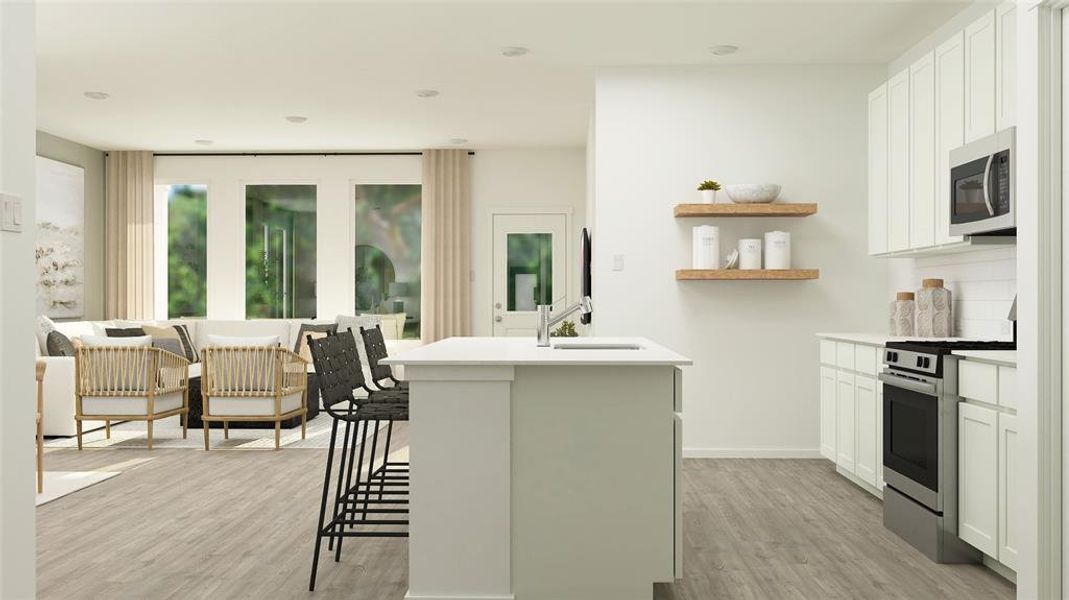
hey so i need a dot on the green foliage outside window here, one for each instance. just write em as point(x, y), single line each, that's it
point(187, 250)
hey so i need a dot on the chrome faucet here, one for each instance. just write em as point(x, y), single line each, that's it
point(545, 323)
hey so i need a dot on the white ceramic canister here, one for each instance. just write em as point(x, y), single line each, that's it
point(706, 247)
point(902, 314)
point(777, 250)
point(749, 254)
point(934, 310)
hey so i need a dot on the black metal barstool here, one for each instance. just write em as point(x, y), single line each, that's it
point(375, 345)
point(375, 506)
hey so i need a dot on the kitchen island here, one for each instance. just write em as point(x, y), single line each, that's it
point(543, 473)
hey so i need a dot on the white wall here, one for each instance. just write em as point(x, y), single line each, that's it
point(982, 285)
point(753, 389)
point(335, 177)
point(17, 272)
point(511, 180)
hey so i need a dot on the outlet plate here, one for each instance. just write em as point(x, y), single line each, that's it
point(10, 212)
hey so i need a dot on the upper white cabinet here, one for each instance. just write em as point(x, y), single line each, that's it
point(878, 170)
point(1005, 66)
point(898, 129)
point(922, 151)
point(950, 126)
point(960, 92)
point(980, 77)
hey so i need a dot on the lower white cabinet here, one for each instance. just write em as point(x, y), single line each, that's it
point(827, 413)
point(845, 439)
point(851, 410)
point(866, 397)
point(978, 477)
point(1010, 509)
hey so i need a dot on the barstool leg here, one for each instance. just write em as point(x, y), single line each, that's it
point(359, 463)
point(338, 489)
point(323, 505)
point(386, 458)
point(370, 472)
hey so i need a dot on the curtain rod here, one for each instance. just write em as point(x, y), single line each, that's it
point(470, 153)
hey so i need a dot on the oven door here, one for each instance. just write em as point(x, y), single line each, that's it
point(911, 438)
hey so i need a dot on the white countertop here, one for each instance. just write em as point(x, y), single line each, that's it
point(879, 339)
point(525, 351)
point(1008, 357)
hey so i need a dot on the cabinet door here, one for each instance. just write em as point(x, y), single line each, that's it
point(978, 477)
point(898, 162)
point(922, 152)
point(828, 410)
point(878, 170)
point(980, 78)
point(1005, 65)
point(879, 436)
point(845, 401)
point(949, 127)
point(1010, 509)
point(865, 390)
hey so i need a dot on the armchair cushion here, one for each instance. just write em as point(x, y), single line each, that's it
point(256, 406)
point(94, 341)
point(129, 405)
point(230, 341)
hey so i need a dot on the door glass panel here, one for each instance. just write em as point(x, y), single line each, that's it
point(280, 251)
point(530, 270)
point(187, 250)
point(388, 219)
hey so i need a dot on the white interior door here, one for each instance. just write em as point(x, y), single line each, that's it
point(530, 268)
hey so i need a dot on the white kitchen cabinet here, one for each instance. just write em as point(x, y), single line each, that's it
point(922, 152)
point(845, 438)
point(878, 170)
point(828, 412)
point(1007, 387)
point(898, 130)
point(866, 436)
point(980, 77)
point(1005, 65)
point(950, 126)
point(978, 477)
point(879, 435)
point(1010, 509)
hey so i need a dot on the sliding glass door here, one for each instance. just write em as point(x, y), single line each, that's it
point(280, 251)
point(387, 255)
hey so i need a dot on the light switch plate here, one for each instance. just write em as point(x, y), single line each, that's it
point(617, 262)
point(10, 212)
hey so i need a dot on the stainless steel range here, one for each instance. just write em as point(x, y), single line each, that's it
point(920, 445)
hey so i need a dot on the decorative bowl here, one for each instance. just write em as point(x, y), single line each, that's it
point(752, 193)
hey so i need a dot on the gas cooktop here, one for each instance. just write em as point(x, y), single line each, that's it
point(948, 346)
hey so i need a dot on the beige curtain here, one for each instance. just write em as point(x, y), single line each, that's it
point(446, 245)
point(128, 233)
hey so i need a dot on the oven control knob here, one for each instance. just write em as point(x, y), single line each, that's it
point(920, 361)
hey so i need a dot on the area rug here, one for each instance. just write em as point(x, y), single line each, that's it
point(58, 484)
point(167, 433)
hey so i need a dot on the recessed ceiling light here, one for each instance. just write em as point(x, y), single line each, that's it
point(724, 50)
point(426, 93)
point(296, 119)
point(203, 142)
point(513, 51)
point(458, 141)
point(97, 95)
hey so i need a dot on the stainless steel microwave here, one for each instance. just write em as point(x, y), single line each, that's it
point(981, 186)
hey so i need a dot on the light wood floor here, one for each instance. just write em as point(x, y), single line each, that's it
point(239, 524)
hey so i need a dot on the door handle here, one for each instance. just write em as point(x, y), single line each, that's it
point(497, 305)
point(497, 319)
point(987, 192)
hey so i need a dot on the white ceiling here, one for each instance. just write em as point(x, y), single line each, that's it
point(231, 71)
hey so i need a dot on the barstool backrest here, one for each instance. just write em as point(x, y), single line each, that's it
point(338, 369)
point(375, 345)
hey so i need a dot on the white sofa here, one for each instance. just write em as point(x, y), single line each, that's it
point(58, 418)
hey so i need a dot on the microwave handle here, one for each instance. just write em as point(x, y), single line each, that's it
point(987, 191)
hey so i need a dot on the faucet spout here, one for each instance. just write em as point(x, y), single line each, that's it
point(547, 322)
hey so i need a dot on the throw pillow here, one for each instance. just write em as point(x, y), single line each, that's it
point(242, 342)
point(95, 341)
point(45, 326)
point(172, 345)
point(303, 350)
point(192, 355)
point(125, 331)
point(306, 328)
point(59, 344)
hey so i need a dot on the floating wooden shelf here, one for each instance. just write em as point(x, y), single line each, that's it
point(747, 274)
point(745, 210)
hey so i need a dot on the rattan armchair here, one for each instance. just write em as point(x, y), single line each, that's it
point(253, 383)
point(130, 384)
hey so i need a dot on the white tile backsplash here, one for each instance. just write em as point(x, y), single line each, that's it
point(982, 285)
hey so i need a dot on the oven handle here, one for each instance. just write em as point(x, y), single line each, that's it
point(987, 192)
point(910, 384)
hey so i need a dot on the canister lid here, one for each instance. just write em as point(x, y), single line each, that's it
point(932, 283)
point(904, 296)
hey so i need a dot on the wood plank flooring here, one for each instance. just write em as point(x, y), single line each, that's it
point(240, 524)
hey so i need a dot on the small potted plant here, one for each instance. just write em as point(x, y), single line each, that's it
point(709, 188)
point(566, 329)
